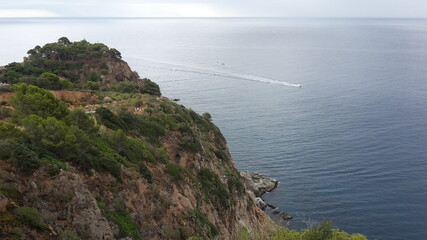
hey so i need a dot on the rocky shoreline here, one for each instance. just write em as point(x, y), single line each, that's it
point(257, 185)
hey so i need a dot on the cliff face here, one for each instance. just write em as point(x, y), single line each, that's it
point(184, 198)
point(149, 168)
point(108, 71)
point(66, 65)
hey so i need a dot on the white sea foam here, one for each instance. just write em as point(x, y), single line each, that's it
point(206, 71)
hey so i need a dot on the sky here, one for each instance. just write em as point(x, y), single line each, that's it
point(215, 8)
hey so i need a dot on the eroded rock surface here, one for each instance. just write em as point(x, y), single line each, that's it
point(258, 184)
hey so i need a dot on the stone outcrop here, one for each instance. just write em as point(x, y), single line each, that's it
point(257, 185)
point(112, 71)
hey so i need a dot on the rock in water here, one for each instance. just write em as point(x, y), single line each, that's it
point(258, 184)
point(260, 203)
point(285, 216)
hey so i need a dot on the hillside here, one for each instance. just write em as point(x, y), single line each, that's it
point(114, 162)
point(80, 65)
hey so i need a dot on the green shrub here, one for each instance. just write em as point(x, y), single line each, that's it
point(8, 130)
point(132, 121)
point(50, 81)
point(214, 189)
point(109, 119)
point(30, 217)
point(176, 171)
point(109, 163)
point(66, 142)
point(185, 128)
point(80, 119)
point(161, 155)
point(234, 183)
point(91, 85)
point(66, 84)
point(135, 150)
point(125, 87)
point(192, 145)
point(243, 234)
point(11, 191)
point(207, 116)
point(203, 224)
point(286, 234)
point(125, 223)
point(64, 50)
point(151, 129)
point(33, 100)
point(221, 155)
point(25, 159)
point(143, 126)
point(194, 238)
point(321, 231)
point(148, 110)
point(53, 165)
point(107, 159)
point(166, 120)
point(11, 76)
point(5, 112)
point(94, 77)
point(145, 172)
point(150, 87)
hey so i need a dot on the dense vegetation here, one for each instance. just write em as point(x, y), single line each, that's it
point(65, 50)
point(323, 230)
point(42, 132)
point(61, 66)
point(130, 133)
point(60, 58)
point(43, 127)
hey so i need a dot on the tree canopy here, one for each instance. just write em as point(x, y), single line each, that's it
point(33, 100)
point(65, 50)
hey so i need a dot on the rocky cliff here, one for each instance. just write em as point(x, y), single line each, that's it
point(194, 192)
point(65, 65)
point(133, 166)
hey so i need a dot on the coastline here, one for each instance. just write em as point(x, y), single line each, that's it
point(256, 186)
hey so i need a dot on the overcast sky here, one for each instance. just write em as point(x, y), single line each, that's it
point(214, 8)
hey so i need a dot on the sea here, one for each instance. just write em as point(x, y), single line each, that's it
point(335, 109)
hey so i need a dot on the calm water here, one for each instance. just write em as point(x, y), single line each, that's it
point(350, 145)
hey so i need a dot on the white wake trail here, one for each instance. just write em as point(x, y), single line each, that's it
point(206, 71)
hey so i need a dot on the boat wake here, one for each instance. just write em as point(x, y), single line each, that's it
point(205, 71)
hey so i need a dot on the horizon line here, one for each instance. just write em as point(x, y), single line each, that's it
point(271, 17)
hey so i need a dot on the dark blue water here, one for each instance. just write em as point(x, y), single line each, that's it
point(350, 145)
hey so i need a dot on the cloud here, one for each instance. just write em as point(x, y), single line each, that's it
point(214, 8)
point(10, 13)
point(175, 10)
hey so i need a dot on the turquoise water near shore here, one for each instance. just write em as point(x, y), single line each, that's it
point(349, 145)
